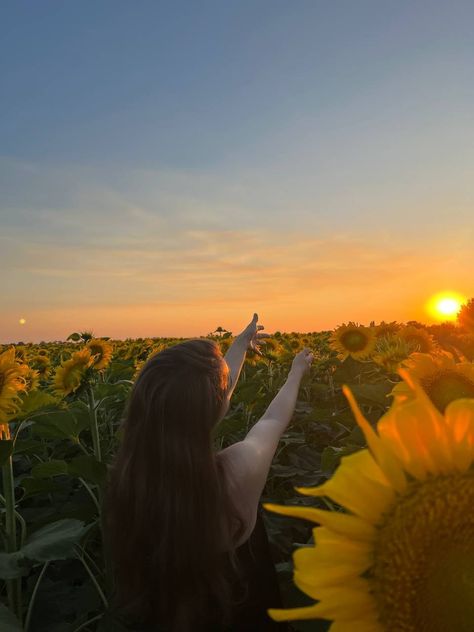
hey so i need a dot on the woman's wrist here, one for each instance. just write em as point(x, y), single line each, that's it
point(296, 373)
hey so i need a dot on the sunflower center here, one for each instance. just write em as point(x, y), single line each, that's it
point(422, 344)
point(423, 575)
point(96, 350)
point(445, 386)
point(354, 340)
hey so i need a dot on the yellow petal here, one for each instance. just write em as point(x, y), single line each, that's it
point(307, 612)
point(459, 417)
point(347, 602)
point(345, 524)
point(367, 624)
point(359, 485)
point(385, 458)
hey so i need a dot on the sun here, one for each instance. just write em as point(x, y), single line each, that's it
point(22, 321)
point(445, 305)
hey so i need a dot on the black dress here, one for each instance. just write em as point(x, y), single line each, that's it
point(261, 579)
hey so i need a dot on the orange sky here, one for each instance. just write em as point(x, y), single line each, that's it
point(295, 283)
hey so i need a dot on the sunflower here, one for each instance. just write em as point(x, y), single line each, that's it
point(401, 557)
point(12, 381)
point(419, 339)
point(353, 340)
point(139, 364)
point(31, 378)
point(385, 330)
point(103, 352)
point(391, 352)
point(69, 375)
point(443, 379)
point(41, 363)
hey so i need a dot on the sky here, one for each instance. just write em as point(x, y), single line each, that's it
point(170, 167)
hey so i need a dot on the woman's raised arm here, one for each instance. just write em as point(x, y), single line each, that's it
point(248, 461)
point(235, 356)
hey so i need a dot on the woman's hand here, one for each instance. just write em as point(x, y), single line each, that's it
point(302, 362)
point(251, 336)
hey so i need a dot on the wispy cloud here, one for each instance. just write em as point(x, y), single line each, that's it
point(178, 244)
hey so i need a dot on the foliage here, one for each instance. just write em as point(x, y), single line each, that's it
point(52, 566)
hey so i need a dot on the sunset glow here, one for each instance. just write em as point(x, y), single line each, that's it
point(314, 183)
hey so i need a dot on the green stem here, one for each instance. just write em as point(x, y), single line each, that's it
point(20, 520)
point(33, 595)
point(94, 581)
point(94, 424)
point(86, 623)
point(91, 494)
point(13, 585)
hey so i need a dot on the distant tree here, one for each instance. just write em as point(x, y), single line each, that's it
point(466, 316)
point(220, 332)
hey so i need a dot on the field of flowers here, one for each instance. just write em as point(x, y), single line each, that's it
point(61, 406)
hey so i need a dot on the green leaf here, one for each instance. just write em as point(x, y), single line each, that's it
point(330, 458)
point(11, 567)
point(8, 621)
point(49, 468)
point(55, 541)
point(28, 446)
point(372, 393)
point(58, 424)
point(89, 468)
point(32, 486)
point(75, 337)
point(35, 400)
point(109, 389)
point(6, 448)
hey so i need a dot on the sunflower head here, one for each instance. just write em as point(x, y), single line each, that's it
point(400, 556)
point(12, 381)
point(418, 339)
point(101, 351)
point(443, 379)
point(69, 376)
point(31, 378)
point(390, 352)
point(386, 330)
point(353, 340)
point(41, 363)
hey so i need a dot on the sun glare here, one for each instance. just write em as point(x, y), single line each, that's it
point(445, 306)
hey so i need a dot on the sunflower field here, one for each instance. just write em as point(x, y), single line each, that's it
point(384, 426)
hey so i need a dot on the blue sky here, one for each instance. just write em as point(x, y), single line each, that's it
point(310, 160)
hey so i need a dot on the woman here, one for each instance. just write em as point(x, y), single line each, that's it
point(178, 516)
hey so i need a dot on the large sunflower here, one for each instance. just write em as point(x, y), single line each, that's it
point(391, 352)
point(41, 363)
point(418, 338)
point(12, 381)
point(102, 351)
point(353, 340)
point(443, 379)
point(69, 375)
point(384, 330)
point(401, 557)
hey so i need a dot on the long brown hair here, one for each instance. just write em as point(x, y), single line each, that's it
point(166, 508)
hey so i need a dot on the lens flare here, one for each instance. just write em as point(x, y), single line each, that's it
point(445, 305)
